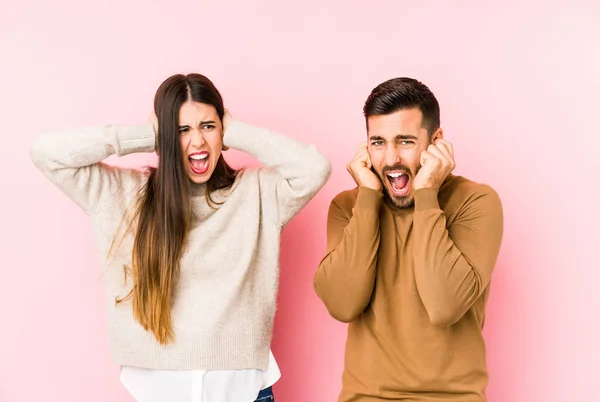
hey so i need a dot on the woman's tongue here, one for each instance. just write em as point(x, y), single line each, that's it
point(199, 164)
point(398, 183)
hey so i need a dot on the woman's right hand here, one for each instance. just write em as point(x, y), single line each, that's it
point(154, 121)
point(227, 118)
point(226, 121)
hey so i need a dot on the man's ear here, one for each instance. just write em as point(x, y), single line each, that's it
point(437, 135)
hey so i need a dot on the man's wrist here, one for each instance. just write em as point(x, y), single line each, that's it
point(426, 198)
point(369, 198)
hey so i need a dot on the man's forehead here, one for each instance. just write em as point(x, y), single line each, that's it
point(401, 122)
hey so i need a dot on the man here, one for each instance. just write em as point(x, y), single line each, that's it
point(410, 254)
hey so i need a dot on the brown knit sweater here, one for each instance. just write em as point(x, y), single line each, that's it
point(413, 284)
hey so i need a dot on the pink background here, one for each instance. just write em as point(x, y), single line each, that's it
point(518, 85)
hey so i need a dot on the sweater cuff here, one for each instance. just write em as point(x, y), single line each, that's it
point(368, 199)
point(134, 138)
point(426, 198)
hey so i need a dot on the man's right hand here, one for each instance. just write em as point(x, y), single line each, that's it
point(360, 169)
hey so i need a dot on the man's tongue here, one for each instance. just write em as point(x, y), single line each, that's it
point(398, 183)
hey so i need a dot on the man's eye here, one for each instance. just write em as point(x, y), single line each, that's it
point(378, 143)
point(208, 127)
point(183, 130)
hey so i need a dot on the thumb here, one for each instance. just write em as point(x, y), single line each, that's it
point(368, 163)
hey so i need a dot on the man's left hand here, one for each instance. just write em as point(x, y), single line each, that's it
point(437, 162)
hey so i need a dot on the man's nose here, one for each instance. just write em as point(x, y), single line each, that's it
point(392, 156)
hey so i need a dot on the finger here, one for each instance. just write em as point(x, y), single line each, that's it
point(425, 157)
point(368, 161)
point(451, 149)
point(362, 153)
point(430, 147)
point(435, 151)
point(445, 151)
point(448, 161)
point(362, 147)
point(448, 145)
point(359, 159)
point(443, 144)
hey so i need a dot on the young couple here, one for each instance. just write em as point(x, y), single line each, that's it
point(191, 248)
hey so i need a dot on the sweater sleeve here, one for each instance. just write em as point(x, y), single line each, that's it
point(72, 159)
point(454, 265)
point(345, 278)
point(297, 171)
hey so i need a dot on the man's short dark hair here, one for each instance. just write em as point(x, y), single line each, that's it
point(404, 93)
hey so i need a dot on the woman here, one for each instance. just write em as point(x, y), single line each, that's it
point(192, 246)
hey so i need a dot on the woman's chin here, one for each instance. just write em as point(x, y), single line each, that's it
point(199, 178)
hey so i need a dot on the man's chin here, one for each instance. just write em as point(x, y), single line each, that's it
point(399, 202)
point(403, 202)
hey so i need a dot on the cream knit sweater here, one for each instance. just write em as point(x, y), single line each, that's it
point(224, 303)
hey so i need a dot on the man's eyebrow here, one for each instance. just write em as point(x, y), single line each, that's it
point(398, 137)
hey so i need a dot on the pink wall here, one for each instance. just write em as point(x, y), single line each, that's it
point(518, 85)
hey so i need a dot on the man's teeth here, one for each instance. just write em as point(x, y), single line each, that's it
point(395, 174)
point(199, 157)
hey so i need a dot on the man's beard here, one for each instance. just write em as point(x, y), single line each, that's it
point(398, 202)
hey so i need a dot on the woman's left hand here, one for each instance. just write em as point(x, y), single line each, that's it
point(226, 121)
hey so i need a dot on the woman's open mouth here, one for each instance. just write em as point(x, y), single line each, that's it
point(199, 162)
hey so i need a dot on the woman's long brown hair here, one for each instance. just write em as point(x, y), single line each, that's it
point(163, 210)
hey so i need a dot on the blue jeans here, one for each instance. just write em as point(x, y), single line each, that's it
point(266, 395)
